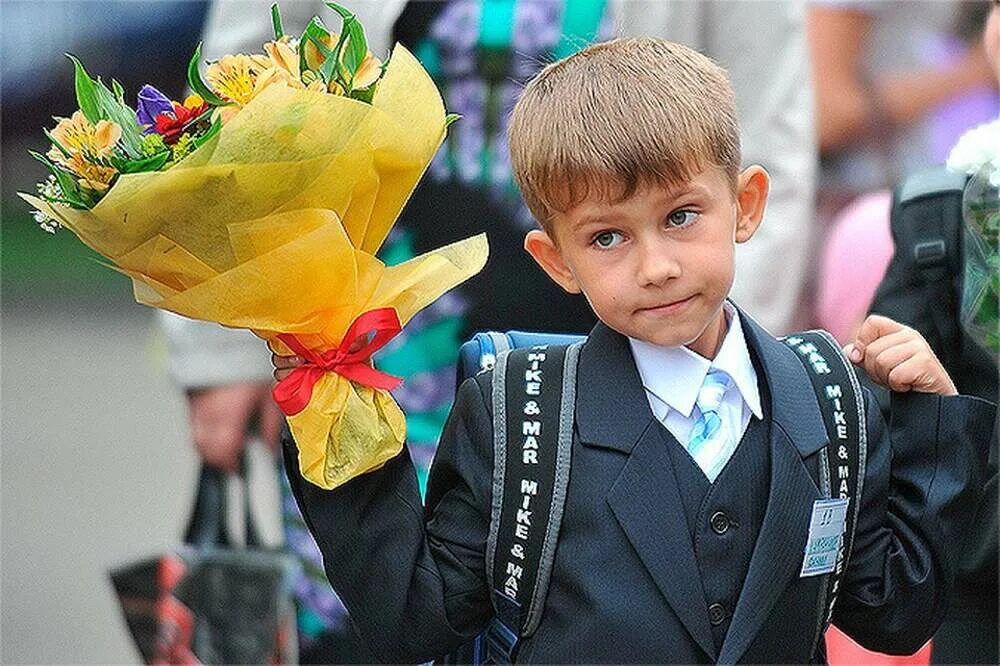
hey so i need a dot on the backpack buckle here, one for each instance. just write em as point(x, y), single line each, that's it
point(501, 643)
point(929, 254)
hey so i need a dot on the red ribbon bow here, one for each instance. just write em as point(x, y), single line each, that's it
point(294, 391)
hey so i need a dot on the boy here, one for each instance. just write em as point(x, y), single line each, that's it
point(628, 155)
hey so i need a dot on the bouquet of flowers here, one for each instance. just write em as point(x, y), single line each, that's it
point(259, 203)
point(977, 154)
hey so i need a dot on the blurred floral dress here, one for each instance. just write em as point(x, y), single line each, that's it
point(480, 53)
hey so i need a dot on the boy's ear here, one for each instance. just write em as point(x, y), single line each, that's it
point(546, 254)
point(751, 198)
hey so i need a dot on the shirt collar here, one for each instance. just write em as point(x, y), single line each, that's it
point(674, 375)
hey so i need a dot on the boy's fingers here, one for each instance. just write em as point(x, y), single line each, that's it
point(282, 362)
point(878, 373)
point(899, 338)
point(909, 375)
point(852, 352)
point(873, 328)
point(886, 353)
point(858, 352)
point(889, 358)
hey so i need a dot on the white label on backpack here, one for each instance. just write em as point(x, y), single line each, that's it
point(826, 535)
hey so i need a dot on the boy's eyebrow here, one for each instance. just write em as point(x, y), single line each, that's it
point(669, 196)
point(593, 218)
point(687, 189)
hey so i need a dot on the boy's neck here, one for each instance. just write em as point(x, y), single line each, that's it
point(710, 341)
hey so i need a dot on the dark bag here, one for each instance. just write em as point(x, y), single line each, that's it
point(922, 288)
point(210, 601)
point(533, 392)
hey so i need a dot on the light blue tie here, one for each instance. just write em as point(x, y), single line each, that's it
point(709, 444)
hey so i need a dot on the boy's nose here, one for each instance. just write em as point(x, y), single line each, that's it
point(657, 264)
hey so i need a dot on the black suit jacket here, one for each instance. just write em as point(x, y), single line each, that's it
point(625, 587)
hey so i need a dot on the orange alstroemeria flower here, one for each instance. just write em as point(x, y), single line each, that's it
point(77, 135)
point(237, 77)
point(91, 176)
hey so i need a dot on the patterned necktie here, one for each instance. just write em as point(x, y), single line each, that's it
point(709, 443)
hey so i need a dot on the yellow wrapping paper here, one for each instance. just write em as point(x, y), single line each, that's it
point(273, 226)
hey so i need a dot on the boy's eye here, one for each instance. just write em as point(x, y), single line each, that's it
point(682, 218)
point(607, 239)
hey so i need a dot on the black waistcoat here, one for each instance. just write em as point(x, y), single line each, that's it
point(725, 517)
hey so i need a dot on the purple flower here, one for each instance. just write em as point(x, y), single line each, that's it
point(151, 103)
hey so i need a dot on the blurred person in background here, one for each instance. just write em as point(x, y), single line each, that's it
point(969, 633)
point(896, 82)
point(480, 52)
point(857, 253)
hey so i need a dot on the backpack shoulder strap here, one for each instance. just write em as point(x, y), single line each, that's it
point(842, 470)
point(534, 394)
point(927, 211)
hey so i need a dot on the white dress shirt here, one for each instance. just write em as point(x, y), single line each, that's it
point(672, 377)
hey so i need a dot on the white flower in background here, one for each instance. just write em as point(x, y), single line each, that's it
point(978, 148)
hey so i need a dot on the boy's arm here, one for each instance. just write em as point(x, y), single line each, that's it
point(413, 582)
point(921, 486)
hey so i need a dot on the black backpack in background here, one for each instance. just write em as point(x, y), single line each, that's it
point(922, 288)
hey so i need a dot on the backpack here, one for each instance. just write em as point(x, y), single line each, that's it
point(922, 288)
point(533, 398)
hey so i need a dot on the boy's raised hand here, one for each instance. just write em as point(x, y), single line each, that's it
point(898, 357)
point(283, 365)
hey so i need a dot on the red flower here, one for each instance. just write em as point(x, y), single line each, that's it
point(171, 126)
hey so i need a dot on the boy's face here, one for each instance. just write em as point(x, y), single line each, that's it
point(658, 265)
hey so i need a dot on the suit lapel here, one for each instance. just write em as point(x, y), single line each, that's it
point(797, 432)
point(646, 502)
point(613, 412)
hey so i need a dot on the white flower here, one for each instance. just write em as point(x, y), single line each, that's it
point(976, 149)
point(50, 189)
point(46, 222)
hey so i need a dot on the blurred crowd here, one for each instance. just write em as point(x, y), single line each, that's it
point(839, 100)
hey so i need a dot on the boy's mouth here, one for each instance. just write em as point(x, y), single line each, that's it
point(668, 308)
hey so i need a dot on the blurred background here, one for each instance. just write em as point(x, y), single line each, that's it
point(95, 457)
point(96, 463)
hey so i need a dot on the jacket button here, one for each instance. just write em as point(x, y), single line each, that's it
point(716, 614)
point(720, 522)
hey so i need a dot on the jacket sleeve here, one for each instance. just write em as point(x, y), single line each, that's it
point(921, 486)
point(412, 579)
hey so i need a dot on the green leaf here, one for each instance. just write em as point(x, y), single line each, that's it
point(118, 90)
point(450, 118)
point(279, 32)
point(67, 183)
point(60, 200)
point(365, 94)
point(86, 96)
point(329, 67)
point(199, 86)
point(122, 114)
point(357, 44)
point(154, 163)
point(314, 33)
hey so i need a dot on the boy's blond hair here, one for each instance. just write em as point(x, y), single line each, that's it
point(620, 115)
